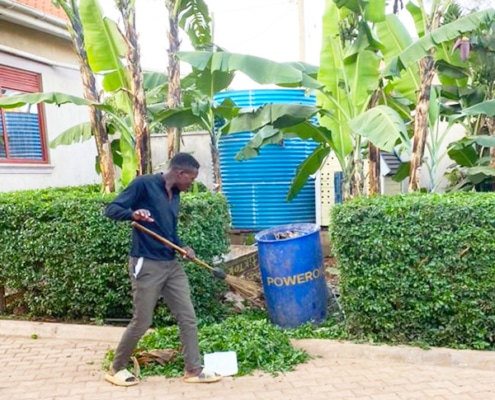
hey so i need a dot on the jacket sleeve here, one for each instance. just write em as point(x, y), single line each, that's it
point(122, 207)
point(176, 238)
point(177, 241)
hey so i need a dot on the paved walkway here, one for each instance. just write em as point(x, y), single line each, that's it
point(65, 362)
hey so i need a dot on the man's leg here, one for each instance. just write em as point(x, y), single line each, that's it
point(145, 291)
point(176, 294)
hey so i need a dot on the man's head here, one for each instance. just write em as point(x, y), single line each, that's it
point(184, 170)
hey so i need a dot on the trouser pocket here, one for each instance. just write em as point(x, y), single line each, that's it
point(135, 266)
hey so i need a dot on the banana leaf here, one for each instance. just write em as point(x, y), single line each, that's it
point(382, 126)
point(278, 115)
point(420, 48)
point(75, 134)
point(259, 69)
point(396, 39)
point(307, 168)
point(50, 98)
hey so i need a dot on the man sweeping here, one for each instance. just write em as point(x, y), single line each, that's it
point(153, 200)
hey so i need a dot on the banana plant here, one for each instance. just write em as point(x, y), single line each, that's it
point(136, 93)
point(351, 86)
point(423, 51)
point(194, 19)
point(97, 126)
point(213, 71)
point(103, 52)
point(472, 154)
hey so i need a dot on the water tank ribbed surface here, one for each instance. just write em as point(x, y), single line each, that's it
point(257, 189)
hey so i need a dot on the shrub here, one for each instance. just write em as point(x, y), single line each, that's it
point(71, 261)
point(418, 268)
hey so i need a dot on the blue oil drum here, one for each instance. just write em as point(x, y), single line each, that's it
point(293, 274)
point(256, 189)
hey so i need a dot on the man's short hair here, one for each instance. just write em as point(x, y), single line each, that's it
point(183, 161)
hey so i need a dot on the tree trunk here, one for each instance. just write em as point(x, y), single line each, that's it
point(427, 71)
point(215, 159)
point(3, 303)
point(140, 123)
point(357, 186)
point(90, 92)
point(174, 97)
point(374, 170)
point(353, 186)
point(99, 131)
point(374, 181)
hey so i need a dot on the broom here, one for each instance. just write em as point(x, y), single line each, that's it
point(247, 289)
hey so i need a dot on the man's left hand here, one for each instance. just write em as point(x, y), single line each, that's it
point(189, 253)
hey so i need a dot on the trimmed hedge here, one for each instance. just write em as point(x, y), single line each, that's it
point(71, 261)
point(418, 268)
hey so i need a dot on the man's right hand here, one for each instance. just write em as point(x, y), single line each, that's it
point(142, 215)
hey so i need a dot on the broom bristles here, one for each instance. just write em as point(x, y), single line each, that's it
point(249, 290)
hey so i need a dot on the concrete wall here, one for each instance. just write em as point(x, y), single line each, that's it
point(195, 143)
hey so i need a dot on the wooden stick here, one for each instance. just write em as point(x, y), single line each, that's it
point(247, 289)
point(170, 244)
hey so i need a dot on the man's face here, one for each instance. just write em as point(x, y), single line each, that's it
point(185, 178)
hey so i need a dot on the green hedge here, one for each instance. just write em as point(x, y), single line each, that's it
point(418, 268)
point(71, 260)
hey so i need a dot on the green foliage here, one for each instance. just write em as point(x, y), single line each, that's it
point(418, 268)
point(259, 345)
point(71, 261)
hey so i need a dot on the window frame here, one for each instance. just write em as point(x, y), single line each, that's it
point(13, 78)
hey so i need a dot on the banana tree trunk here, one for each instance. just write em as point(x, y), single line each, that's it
point(374, 170)
point(174, 97)
point(353, 184)
point(140, 124)
point(215, 159)
point(99, 131)
point(374, 182)
point(357, 185)
point(427, 71)
point(90, 92)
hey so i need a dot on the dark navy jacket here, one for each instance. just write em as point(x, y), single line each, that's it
point(148, 192)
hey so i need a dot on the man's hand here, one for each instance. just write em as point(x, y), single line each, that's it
point(142, 215)
point(189, 253)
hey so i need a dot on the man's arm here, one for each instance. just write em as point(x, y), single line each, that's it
point(121, 208)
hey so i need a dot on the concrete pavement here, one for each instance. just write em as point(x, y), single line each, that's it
point(64, 362)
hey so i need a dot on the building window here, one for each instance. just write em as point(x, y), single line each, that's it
point(22, 138)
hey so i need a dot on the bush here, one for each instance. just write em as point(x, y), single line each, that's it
point(71, 261)
point(418, 268)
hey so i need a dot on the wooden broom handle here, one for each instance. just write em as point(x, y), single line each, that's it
point(169, 243)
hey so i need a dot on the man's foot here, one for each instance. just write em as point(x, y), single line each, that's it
point(202, 376)
point(121, 378)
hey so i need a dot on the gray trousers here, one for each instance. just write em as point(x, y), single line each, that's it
point(150, 281)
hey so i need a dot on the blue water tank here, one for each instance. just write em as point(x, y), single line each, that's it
point(256, 189)
point(293, 274)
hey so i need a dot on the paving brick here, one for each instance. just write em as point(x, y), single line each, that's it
point(59, 367)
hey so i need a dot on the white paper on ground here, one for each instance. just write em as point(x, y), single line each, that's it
point(222, 362)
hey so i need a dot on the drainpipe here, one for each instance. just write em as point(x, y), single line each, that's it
point(32, 18)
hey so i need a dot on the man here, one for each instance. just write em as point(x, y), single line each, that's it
point(153, 201)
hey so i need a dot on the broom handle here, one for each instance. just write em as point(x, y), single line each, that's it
point(170, 244)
